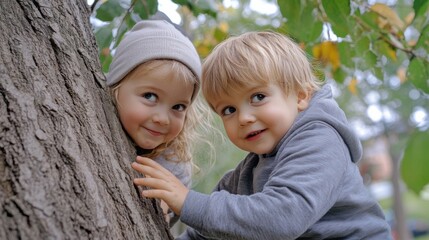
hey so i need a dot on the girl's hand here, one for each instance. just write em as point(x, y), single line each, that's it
point(162, 183)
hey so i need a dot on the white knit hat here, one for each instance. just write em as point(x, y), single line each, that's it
point(149, 40)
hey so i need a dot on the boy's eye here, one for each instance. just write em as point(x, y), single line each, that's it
point(227, 111)
point(150, 96)
point(257, 97)
point(179, 107)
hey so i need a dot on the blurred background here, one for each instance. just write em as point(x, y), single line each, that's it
point(374, 54)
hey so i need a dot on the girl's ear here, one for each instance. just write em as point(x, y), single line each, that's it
point(303, 100)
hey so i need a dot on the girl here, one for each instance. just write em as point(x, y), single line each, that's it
point(154, 79)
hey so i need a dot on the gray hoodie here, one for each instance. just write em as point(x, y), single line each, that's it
point(309, 187)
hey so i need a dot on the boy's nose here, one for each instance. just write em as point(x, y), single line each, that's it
point(245, 118)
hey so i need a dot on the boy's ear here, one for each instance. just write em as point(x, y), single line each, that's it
point(303, 100)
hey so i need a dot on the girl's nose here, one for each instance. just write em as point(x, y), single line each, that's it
point(161, 117)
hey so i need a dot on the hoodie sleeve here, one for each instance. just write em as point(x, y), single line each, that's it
point(302, 187)
point(228, 183)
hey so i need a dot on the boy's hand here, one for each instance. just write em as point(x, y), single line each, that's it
point(162, 183)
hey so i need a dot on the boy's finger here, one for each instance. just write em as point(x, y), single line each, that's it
point(154, 193)
point(140, 168)
point(152, 183)
point(151, 163)
point(148, 171)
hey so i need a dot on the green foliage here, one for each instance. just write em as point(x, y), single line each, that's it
point(109, 10)
point(363, 47)
point(420, 7)
point(199, 7)
point(414, 172)
point(418, 72)
point(118, 18)
point(372, 39)
point(338, 13)
point(297, 17)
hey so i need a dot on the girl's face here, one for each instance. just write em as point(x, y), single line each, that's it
point(152, 106)
point(256, 118)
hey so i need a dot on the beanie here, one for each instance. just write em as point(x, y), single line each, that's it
point(150, 40)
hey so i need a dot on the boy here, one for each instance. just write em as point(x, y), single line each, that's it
point(300, 179)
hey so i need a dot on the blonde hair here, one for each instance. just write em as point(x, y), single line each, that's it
point(197, 112)
point(256, 58)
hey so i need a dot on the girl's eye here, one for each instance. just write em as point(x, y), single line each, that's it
point(228, 110)
point(257, 97)
point(179, 107)
point(150, 96)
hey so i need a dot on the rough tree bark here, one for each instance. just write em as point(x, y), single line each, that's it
point(65, 162)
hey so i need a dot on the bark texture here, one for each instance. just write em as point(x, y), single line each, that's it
point(65, 162)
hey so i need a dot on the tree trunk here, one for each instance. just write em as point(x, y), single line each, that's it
point(65, 162)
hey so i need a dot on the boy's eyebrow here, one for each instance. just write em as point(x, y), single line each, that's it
point(255, 88)
point(215, 107)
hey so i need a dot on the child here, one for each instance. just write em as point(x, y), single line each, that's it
point(300, 179)
point(154, 79)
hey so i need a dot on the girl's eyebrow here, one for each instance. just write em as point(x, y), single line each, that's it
point(158, 91)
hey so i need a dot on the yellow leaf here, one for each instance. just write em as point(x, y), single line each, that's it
point(224, 27)
point(402, 74)
point(203, 50)
point(327, 53)
point(317, 51)
point(353, 86)
point(387, 14)
point(392, 54)
point(409, 18)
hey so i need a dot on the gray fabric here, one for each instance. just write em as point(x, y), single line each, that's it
point(309, 187)
point(149, 40)
point(182, 170)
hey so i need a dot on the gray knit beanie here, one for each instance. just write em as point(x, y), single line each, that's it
point(150, 40)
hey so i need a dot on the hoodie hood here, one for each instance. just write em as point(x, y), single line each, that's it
point(323, 107)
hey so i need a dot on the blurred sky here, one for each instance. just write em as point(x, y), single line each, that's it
point(169, 8)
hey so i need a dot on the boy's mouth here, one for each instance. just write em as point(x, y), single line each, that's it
point(254, 134)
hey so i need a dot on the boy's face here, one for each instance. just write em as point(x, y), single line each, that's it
point(255, 119)
point(152, 106)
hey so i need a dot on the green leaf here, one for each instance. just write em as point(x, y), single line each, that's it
point(347, 53)
point(370, 20)
point(423, 41)
point(104, 36)
point(291, 10)
point(362, 44)
point(208, 7)
point(105, 62)
point(418, 73)
point(220, 35)
point(338, 12)
point(109, 10)
point(415, 163)
point(298, 15)
point(370, 59)
point(145, 8)
point(384, 48)
point(420, 7)
point(340, 75)
point(315, 27)
point(378, 72)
